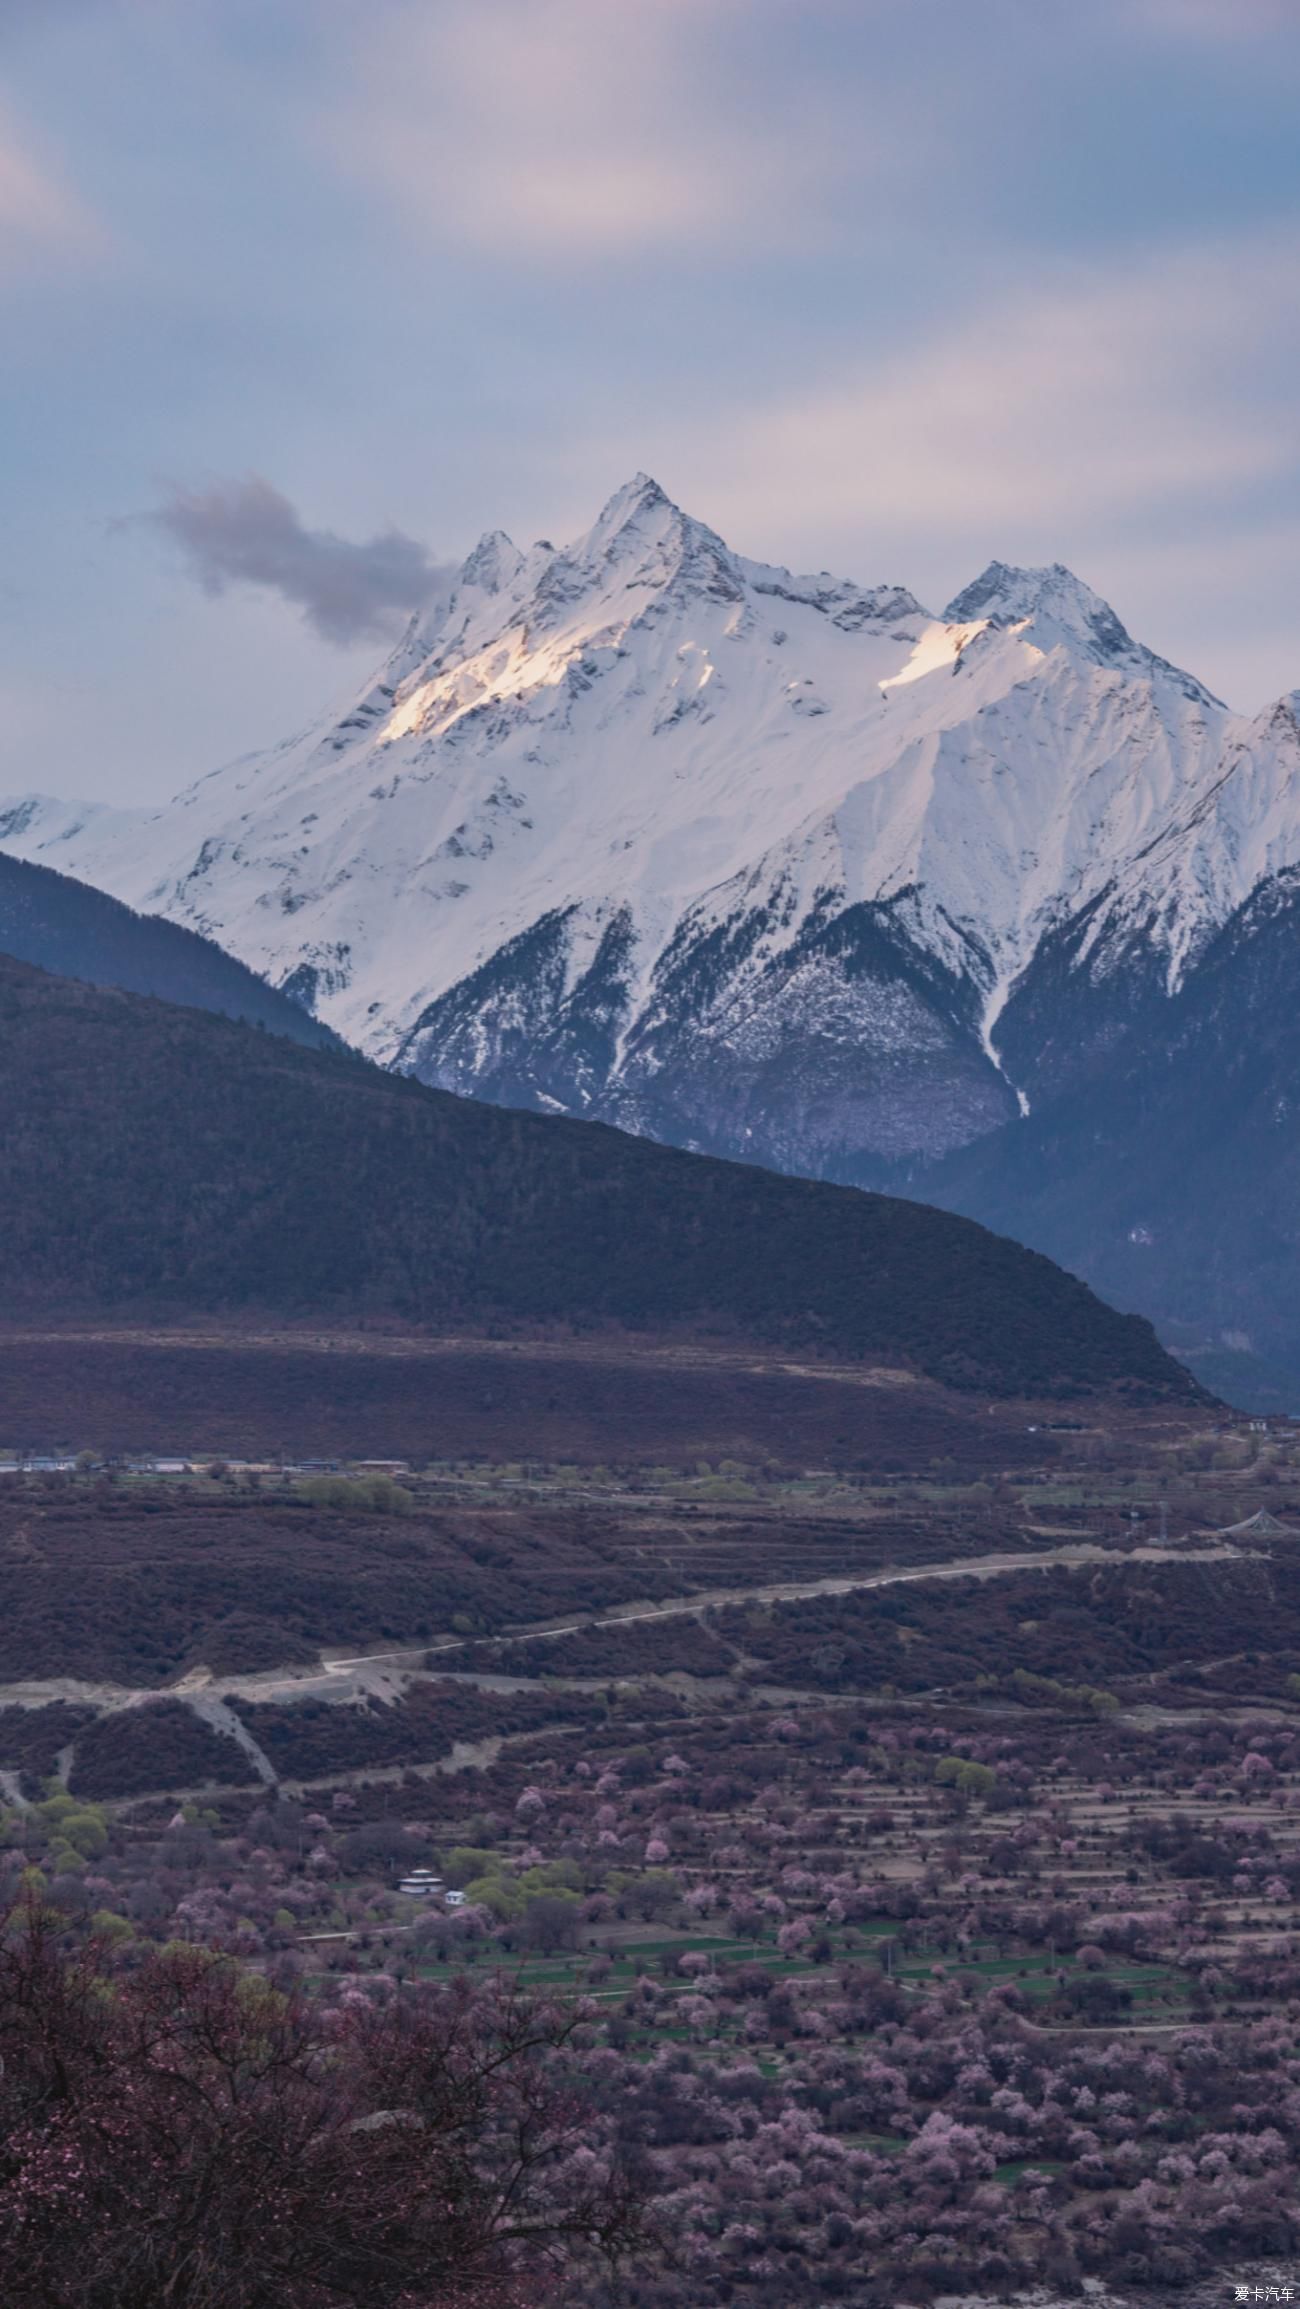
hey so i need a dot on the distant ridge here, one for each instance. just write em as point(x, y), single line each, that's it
point(63, 925)
point(158, 1158)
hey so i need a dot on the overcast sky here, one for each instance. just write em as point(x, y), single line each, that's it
point(297, 297)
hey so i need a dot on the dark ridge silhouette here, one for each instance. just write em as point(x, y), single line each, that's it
point(157, 1158)
point(65, 925)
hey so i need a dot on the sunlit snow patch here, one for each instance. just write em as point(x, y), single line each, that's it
point(939, 646)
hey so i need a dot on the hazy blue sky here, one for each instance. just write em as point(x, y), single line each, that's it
point(885, 286)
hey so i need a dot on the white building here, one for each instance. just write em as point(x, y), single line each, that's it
point(421, 1884)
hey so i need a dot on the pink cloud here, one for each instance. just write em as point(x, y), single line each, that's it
point(1070, 400)
point(575, 129)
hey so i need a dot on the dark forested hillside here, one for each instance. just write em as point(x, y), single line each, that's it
point(64, 925)
point(159, 1158)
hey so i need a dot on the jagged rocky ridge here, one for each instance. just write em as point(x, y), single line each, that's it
point(765, 865)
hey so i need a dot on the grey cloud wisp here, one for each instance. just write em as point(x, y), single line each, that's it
point(247, 533)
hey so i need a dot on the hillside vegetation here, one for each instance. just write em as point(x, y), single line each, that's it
point(155, 1157)
point(65, 925)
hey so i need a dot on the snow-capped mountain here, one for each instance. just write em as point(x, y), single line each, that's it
point(640, 789)
point(772, 865)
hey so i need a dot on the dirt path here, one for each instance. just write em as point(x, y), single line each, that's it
point(793, 1591)
point(382, 1675)
point(214, 1712)
point(612, 1347)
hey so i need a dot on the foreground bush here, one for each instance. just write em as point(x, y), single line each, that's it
point(182, 2133)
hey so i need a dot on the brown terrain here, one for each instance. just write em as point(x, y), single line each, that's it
point(381, 1391)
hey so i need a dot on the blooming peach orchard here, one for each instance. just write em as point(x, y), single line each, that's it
point(890, 2001)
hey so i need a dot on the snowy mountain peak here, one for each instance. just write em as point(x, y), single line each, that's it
point(1057, 609)
point(492, 566)
point(1005, 593)
point(642, 541)
point(640, 496)
point(1058, 605)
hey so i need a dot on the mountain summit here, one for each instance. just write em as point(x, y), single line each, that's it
point(1058, 610)
point(766, 864)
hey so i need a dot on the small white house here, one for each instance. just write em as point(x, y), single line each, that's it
point(454, 1899)
point(421, 1884)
